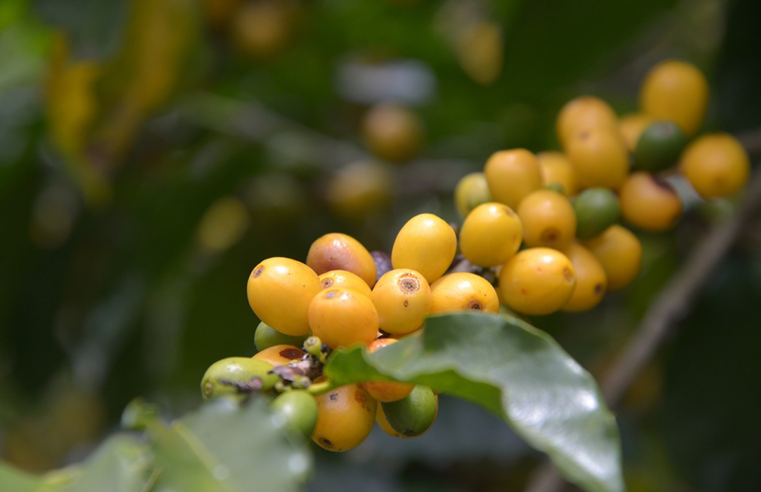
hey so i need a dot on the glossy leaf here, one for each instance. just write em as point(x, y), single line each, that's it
point(514, 370)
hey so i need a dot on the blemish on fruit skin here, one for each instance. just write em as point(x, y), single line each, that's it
point(599, 289)
point(406, 303)
point(325, 443)
point(291, 353)
point(331, 294)
point(257, 271)
point(327, 283)
point(568, 274)
point(475, 305)
point(360, 397)
point(333, 397)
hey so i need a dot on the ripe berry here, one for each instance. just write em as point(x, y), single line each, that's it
point(337, 251)
point(675, 91)
point(511, 175)
point(620, 254)
point(659, 146)
point(581, 114)
point(557, 169)
point(425, 244)
point(716, 165)
point(537, 281)
point(279, 291)
point(280, 355)
point(414, 415)
point(383, 390)
point(237, 376)
point(402, 298)
point(596, 209)
point(591, 282)
point(343, 279)
point(342, 317)
point(463, 291)
point(649, 203)
point(471, 191)
point(599, 157)
point(265, 337)
point(392, 132)
point(297, 409)
point(345, 417)
point(548, 219)
point(491, 234)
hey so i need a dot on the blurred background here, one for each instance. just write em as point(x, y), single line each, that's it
point(152, 152)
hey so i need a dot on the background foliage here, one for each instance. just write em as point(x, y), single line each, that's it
point(148, 162)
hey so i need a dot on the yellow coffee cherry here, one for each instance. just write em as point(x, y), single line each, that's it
point(279, 355)
point(620, 254)
point(425, 244)
point(631, 127)
point(359, 189)
point(600, 158)
point(345, 417)
point(649, 203)
point(511, 175)
point(392, 132)
point(537, 281)
point(383, 390)
point(548, 219)
point(591, 282)
point(557, 169)
point(345, 280)
point(343, 317)
point(583, 113)
point(338, 251)
point(280, 291)
point(677, 91)
point(402, 298)
point(716, 165)
point(262, 29)
point(471, 191)
point(491, 234)
point(463, 291)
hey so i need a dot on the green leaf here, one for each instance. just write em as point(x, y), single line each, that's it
point(224, 448)
point(517, 372)
point(118, 465)
point(20, 481)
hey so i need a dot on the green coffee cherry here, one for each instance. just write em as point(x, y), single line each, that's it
point(298, 409)
point(659, 146)
point(413, 415)
point(237, 376)
point(596, 210)
point(266, 337)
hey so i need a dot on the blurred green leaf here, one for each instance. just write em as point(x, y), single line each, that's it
point(225, 448)
point(18, 481)
point(118, 465)
point(514, 370)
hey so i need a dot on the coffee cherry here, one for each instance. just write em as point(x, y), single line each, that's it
point(548, 219)
point(342, 317)
point(383, 390)
point(675, 91)
point(491, 234)
point(463, 291)
point(511, 175)
point(337, 251)
point(471, 191)
point(392, 132)
point(659, 146)
point(620, 254)
point(345, 417)
point(596, 209)
point(298, 410)
point(402, 298)
point(343, 279)
point(262, 29)
point(591, 282)
point(631, 127)
point(359, 189)
point(237, 376)
point(649, 202)
point(265, 337)
point(280, 355)
point(279, 291)
point(716, 165)
point(581, 114)
point(599, 157)
point(537, 281)
point(557, 169)
point(414, 415)
point(425, 244)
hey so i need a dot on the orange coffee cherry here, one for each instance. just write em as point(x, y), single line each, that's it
point(620, 254)
point(649, 203)
point(591, 282)
point(511, 175)
point(491, 234)
point(343, 317)
point(337, 251)
point(548, 219)
point(402, 298)
point(343, 279)
point(463, 291)
point(345, 417)
point(537, 281)
point(557, 169)
point(716, 165)
point(599, 157)
point(383, 390)
point(425, 244)
point(584, 113)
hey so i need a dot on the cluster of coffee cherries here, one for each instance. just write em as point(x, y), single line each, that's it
point(540, 234)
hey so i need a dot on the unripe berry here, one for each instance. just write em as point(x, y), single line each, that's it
point(649, 202)
point(279, 291)
point(596, 209)
point(425, 244)
point(337, 251)
point(491, 234)
point(511, 175)
point(631, 127)
point(342, 317)
point(414, 415)
point(463, 291)
point(298, 409)
point(716, 165)
point(620, 254)
point(676, 91)
point(237, 376)
point(402, 298)
point(659, 146)
point(537, 281)
point(345, 417)
point(591, 282)
point(548, 219)
point(384, 390)
point(266, 337)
